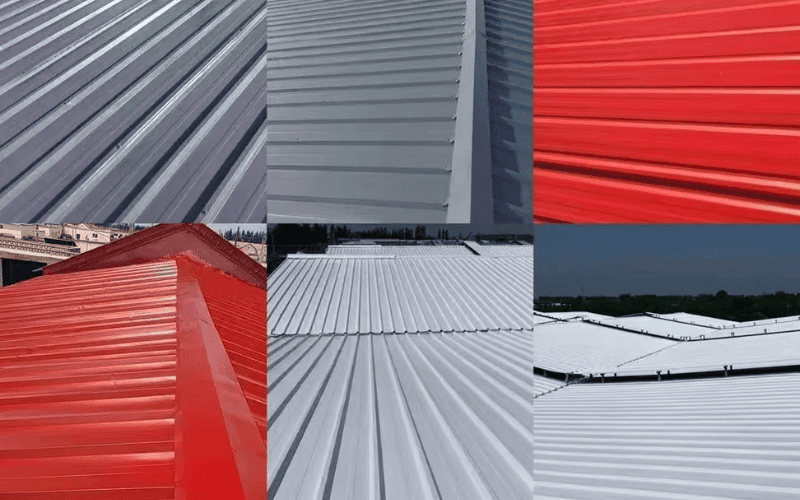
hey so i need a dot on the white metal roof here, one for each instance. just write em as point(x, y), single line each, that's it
point(543, 385)
point(398, 417)
point(712, 439)
point(697, 319)
point(579, 347)
point(318, 294)
point(757, 351)
point(399, 250)
point(661, 327)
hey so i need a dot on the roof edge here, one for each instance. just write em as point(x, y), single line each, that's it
point(113, 254)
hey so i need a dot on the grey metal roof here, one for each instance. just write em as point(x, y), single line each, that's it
point(137, 111)
point(396, 417)
point(711, 439)
point(580, 347)
point(379, 111)
point(318, 294)
point(509, 43)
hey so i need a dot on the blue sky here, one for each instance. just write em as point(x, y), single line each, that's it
point(575, 260)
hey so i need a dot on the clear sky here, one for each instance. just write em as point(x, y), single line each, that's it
point(573, 260)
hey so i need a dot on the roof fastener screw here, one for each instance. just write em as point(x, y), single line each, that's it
point(452, 141)
point(454, 117)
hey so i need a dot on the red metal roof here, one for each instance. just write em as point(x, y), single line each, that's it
point(666, 111)
point(139, 381)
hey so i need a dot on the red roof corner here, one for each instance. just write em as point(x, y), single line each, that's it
point(167, 240)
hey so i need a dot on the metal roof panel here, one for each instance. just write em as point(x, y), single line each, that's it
point(138, 111)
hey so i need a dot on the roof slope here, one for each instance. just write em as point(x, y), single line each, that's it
point(509, 56)
point(135, 380)
point(413, 111)
point(361, 100)
point(755, 351)
point(428, 416)
point(579, 347)
point(722, 439)
point(667, 111)
point(143, 111)
point(319, 294)
point(88, 384)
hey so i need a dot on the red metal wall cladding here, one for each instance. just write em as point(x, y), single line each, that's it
point(666, 111)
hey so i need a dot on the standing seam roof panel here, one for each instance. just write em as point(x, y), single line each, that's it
point(428, 293)
point(346, 414)
point(147, 111)
point(362, 103)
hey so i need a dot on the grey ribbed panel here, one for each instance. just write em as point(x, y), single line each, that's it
point(509, 42)
point(143, 111)
point(361, 98)
point(400, 417)
point(318, 294)
point(714, 439)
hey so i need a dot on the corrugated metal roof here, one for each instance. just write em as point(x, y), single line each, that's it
point(88, 383)
point(721, 439)
point(403, 112)
point(500, 250)
point(509, 40)
point(117, 381)
point(667, 111)
point(427, 416)
point(543, 385)
point(400, 250)
point(660, 327)
point(586, 348)
point(757, 351)
point(697, 319)
point(574, 315)
point(138, 111)
point(317, 294)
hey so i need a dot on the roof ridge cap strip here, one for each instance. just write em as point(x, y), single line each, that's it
point(219, 452)
point(470, 179)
